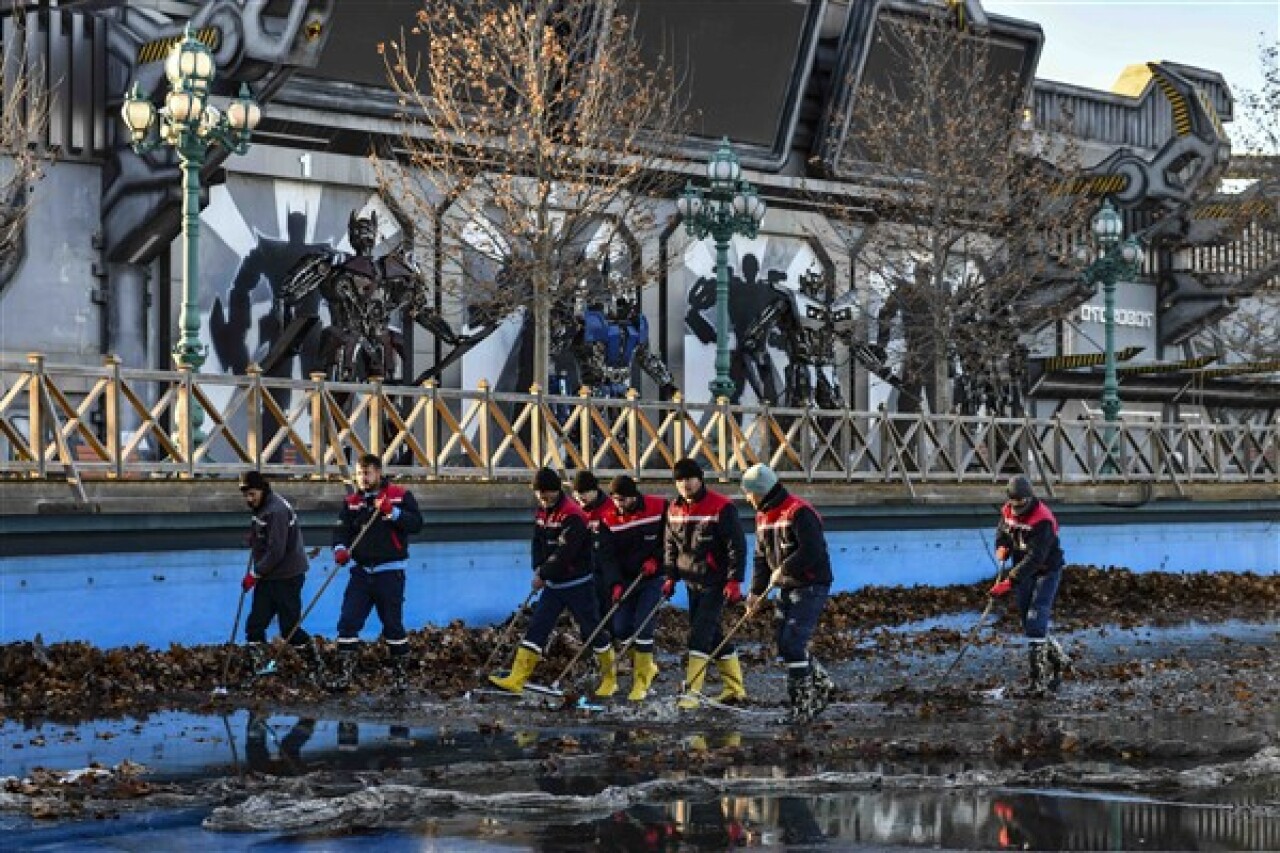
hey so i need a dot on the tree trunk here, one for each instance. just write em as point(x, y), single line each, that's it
point(541, 332)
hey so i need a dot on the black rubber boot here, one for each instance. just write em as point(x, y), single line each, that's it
point(821, 686)
point(258, 660)
point(313, 662)
point(347, 663)
point(1038, 663)
point(399, 676)
point(800, 695)
point(1059, 663)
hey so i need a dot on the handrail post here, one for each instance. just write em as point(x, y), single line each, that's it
point(319, 444)
point(633, 432)
point(35, 410)
point(722, 437)
point(482, 428)
point(253, 415)
point(677, 427)
point(375, 415)
point(536, 425)
point(111, 402)
point(186, 438)
point(586, 407)
point(429, 428)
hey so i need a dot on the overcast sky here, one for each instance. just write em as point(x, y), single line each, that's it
point(1089, 42)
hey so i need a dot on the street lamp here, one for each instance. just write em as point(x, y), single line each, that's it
point(1109, 259)
point(727, 207)
point(190, 124)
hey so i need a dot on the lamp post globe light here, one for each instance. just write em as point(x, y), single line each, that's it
point(1109, 259)
point(728, 206)
point(191, 125)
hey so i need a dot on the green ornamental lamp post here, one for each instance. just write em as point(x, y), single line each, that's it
point(727, 207)
point(1110, 259)
point(191, 125)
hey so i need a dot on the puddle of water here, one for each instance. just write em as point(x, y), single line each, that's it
point(985, 820)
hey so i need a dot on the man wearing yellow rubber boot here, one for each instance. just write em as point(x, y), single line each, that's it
point(706, 548)
point(629, 546)
point(562, 570)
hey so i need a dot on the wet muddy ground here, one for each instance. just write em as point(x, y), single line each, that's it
point(1165, 735)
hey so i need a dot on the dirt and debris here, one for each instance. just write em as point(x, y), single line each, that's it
point(69, 681)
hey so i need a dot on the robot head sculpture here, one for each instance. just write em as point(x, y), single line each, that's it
point(813, 284)
point(362, 231)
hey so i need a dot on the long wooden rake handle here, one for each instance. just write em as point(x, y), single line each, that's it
point(750, 611)
point(604, 620)
point(631, 641)
point(315, 599)
point(973, 632)
point(506, 635)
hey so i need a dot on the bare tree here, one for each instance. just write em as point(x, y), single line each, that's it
point(24, 112)
point(532, 133)
point(971, 214)
point(1252, 331)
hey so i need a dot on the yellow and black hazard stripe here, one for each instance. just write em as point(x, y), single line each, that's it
point(1181, 109)
point(158, 50)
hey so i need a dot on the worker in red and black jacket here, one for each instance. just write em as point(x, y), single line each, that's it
point(706, 548)
point(372, 533)
point(562, 570)
point(791, 556)
point(1028, 534)
point(628, 543)
point(594, 503)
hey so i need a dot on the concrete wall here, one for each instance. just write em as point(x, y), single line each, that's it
point(49, 305)
point(190, 596)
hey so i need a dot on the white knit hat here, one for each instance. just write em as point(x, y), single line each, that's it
point(759, 480)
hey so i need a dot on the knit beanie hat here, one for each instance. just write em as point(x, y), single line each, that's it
point(254, 480)
point(624, 487)
point(546, 480)
point(585, 481)
point(685, 469)
point(759, 480)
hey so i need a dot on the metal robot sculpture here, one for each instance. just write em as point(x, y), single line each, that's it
point(608, 344)
point(810, 320)
point(367, 298)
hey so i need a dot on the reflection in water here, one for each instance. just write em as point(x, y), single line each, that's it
point(276, 745)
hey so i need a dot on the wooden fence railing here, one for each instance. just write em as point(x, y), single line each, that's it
point(110, 422)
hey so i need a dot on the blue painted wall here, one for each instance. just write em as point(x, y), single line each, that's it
point(190, 596)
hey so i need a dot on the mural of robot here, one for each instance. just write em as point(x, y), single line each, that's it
point(809, 320)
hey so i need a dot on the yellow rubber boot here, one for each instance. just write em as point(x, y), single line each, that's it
point(695, 674)
point(608, 662)
point(521, 669)
point(733, 690)
point(643, 672)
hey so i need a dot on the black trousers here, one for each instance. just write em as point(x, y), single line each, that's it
point(277, 598)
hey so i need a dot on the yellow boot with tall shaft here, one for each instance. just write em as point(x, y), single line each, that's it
point(521, 669)
point(695, 674)
point(608, 662)
point(733, 690)
point(643, 672)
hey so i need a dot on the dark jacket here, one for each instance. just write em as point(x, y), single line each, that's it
point(624, 543)
point(561, 543)
point(387, 541)
point(1032, 540)
point(276, 539)
point(789, 537)
point(704, 542)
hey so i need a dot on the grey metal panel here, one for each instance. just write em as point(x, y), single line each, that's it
point(80, 82)
point(57, 73)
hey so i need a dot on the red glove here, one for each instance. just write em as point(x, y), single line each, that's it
point(341, 556)
point(650, 567)
point(668, 587)
point(1002, 554)
point(617, 593)
point(733, 592)
point(1000, 588)
point(249, 581)
point(385, 505)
